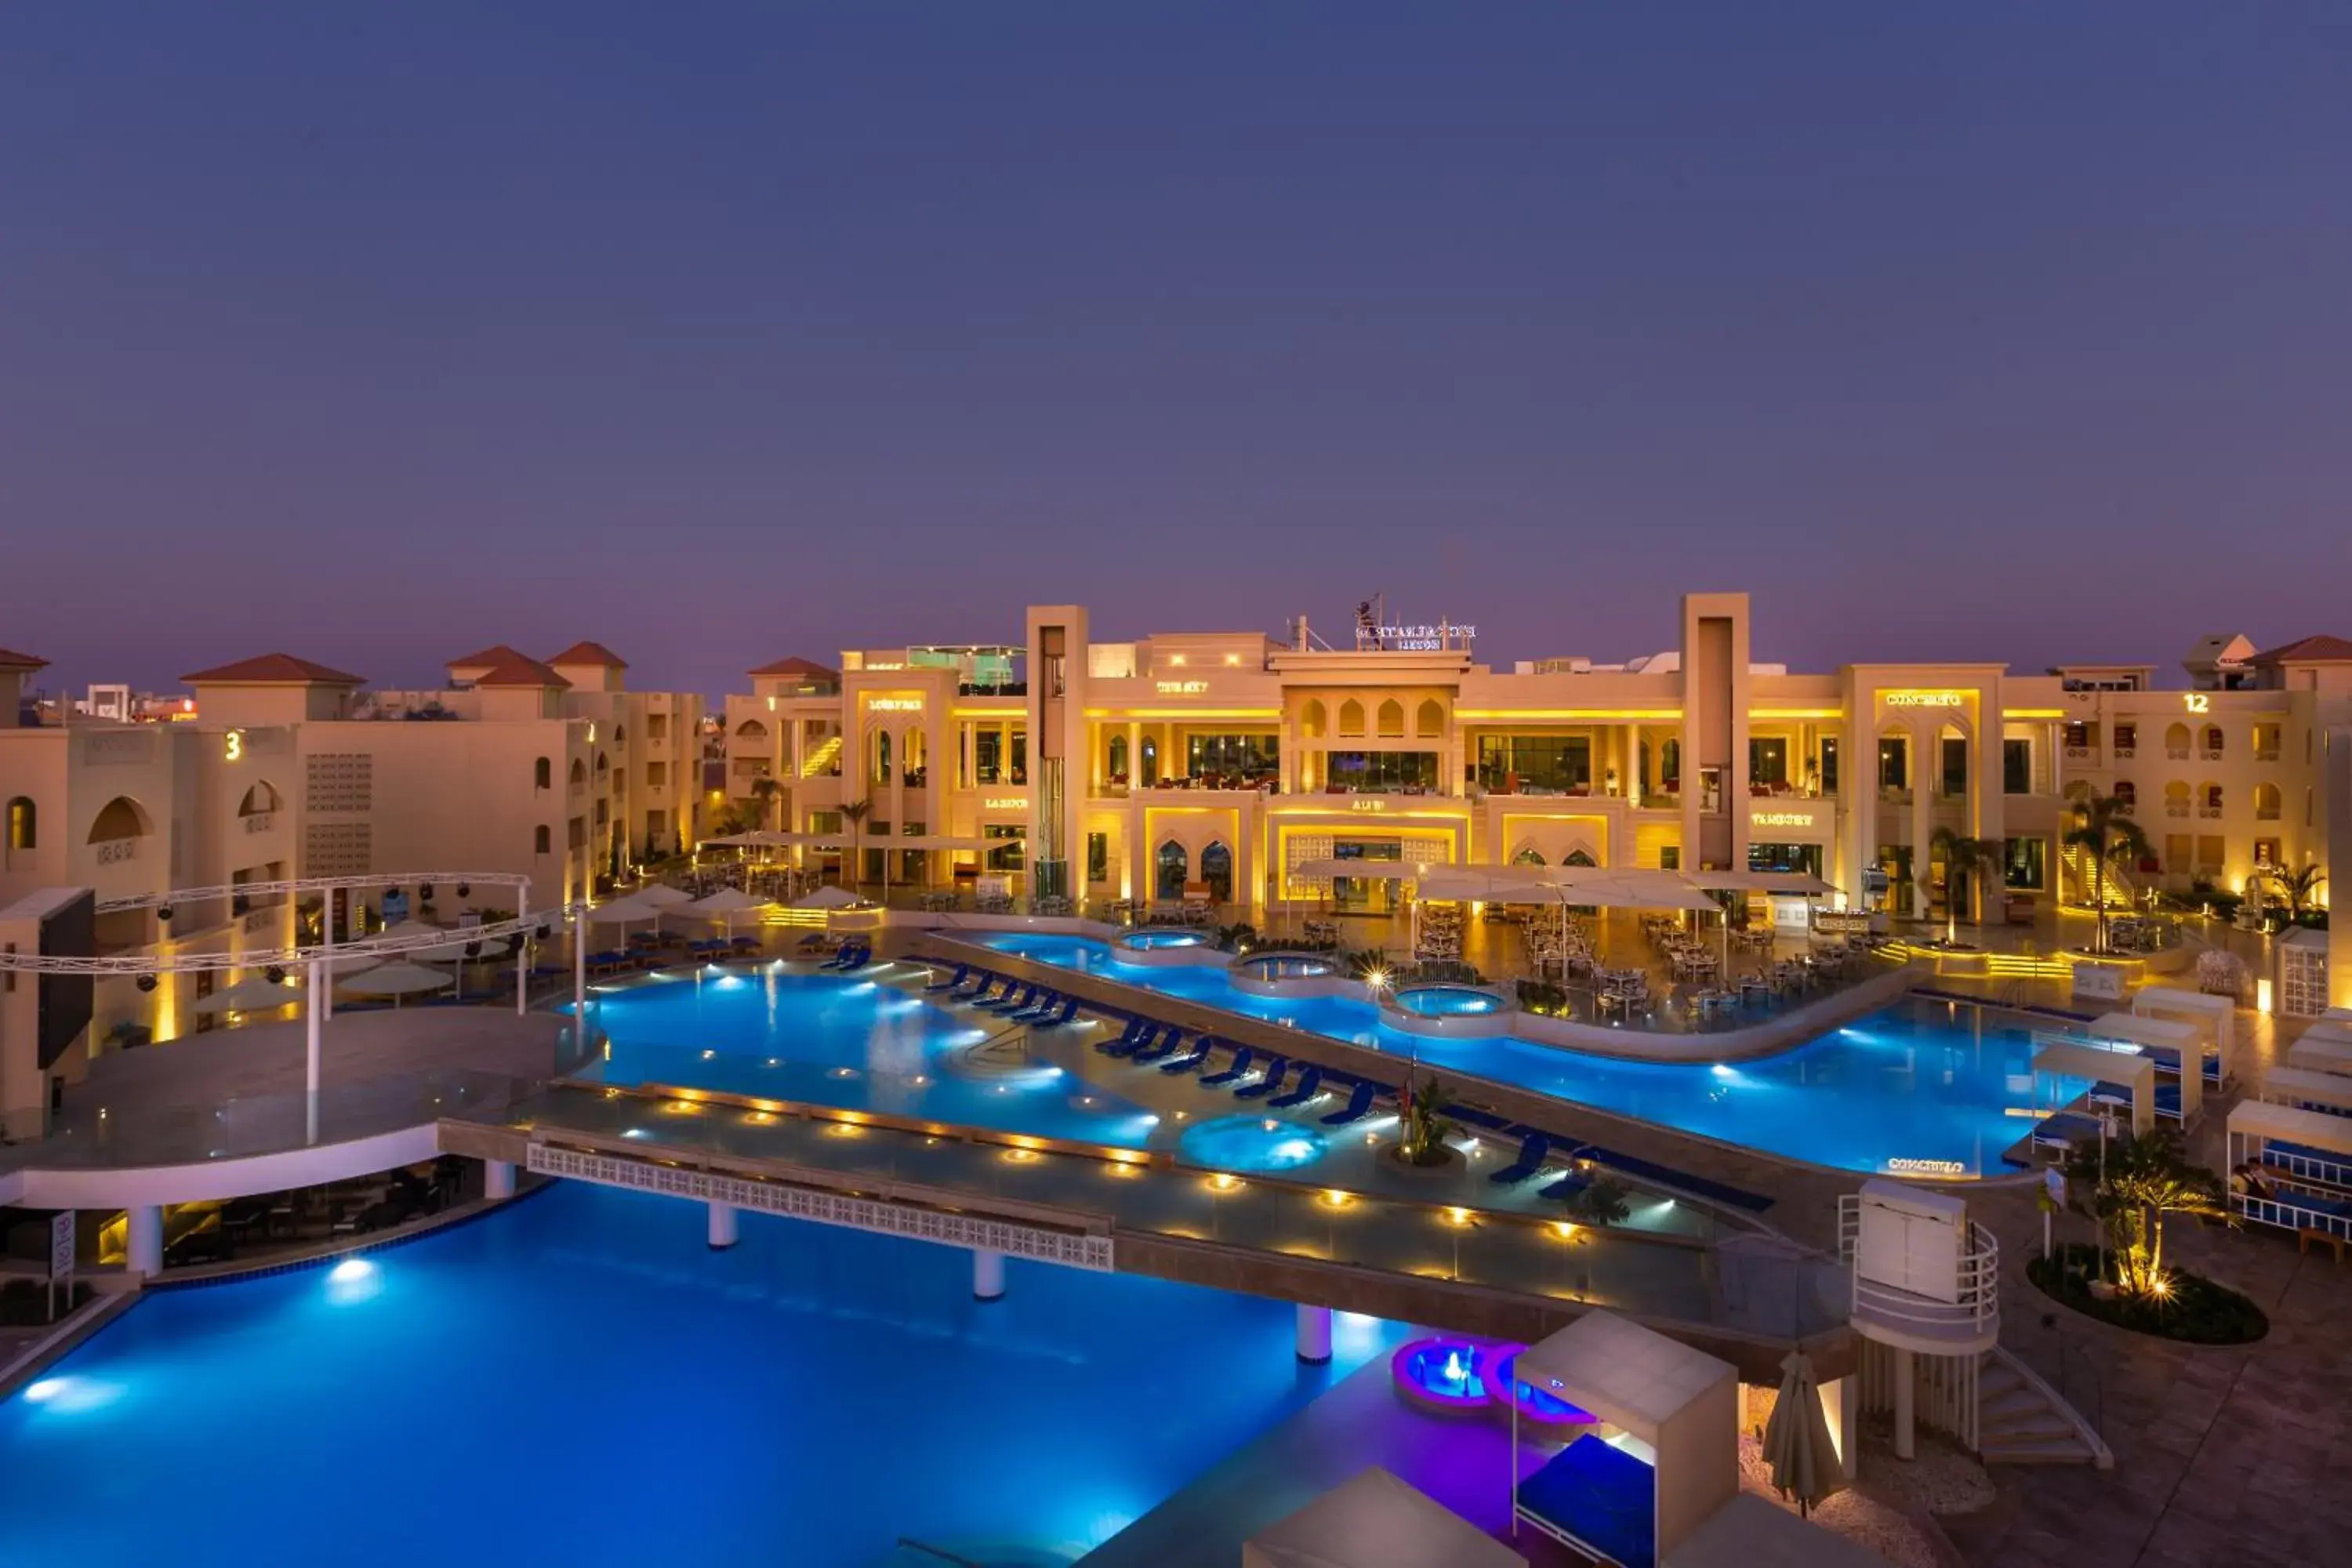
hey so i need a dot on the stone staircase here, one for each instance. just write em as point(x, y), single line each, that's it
point(2021, 1420)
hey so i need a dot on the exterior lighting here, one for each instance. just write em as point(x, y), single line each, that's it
point(1334, 1198)
point(1224, 1182)
point(1457, 1217)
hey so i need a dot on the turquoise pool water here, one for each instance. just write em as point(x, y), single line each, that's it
point(839, 1040)
point(1921, 1080)
point(1247, 1144)
point(1154, 939)
point(580, 1380)
point(1446, 1001)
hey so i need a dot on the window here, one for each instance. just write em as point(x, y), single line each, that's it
point(1670, 766)
point(602, 812)
point(824, 823)
point(1172, 866)
point(2212, 740)
point(1098, 856)
point(542, 775)
point(1510, 764)
point(1669, 858)
point(1894, 764)
point(23, 824)
point(2127, 739)
point(881, 753)
point(1217, 871)
point(1020, 756)
point(542, 840)
point(602, 765)
point(1236, 758)
point(656, 726)
point(1352, 717)
point(751, 730)
point(2176, 743)
point(1150, 762)
point(915, 758)
point(1792, 858)
point(620, 737)
point(1828, 765)
point(657, 774)
point(988, 756)
point(1429, 721)
point(1391, 720)
point(2016, 767)
point(1382, 773)
point(1956, 765)
point(2267, 802)
point(2127, 797)
point(2025, 863)
point(1313, 719)
point(1768, 761)
point(2209, 800)
point(579, 774)
point(1114, 767)
point(1009, 857)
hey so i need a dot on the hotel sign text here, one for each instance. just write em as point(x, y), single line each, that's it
point(1426, 640)
point(1005, 802)
point(1926, 698)
point(895, 704)
point(1783, 819)
point(1181, 688)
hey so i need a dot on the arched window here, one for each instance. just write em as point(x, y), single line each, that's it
point(1529, 855)
point(1217, 871)
point(917, 747)
point(1314, 719)
point(2267, 802)
point(1352, 717)
point(24, 824)
point(2175, 798)
point(602, 765)
point(1577, 857)
point(1171, 869)
point(542, 774)
point(881, 753)
point(1392, 719)
point(1150, 762)
point(118, 818)
point(751, 730)
point(541, 839)
point(2210, 799)
point(579, 774)
point(1429, 721)
point(2212, 740)
point(1116, 766)
point(2127, 797)
point(1670, 764)
point(2176, 741)
point(620, 737)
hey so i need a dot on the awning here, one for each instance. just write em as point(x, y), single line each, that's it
point(1790, 884)
point(2135, 1072)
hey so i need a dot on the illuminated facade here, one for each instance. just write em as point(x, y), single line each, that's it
point(1215, 764)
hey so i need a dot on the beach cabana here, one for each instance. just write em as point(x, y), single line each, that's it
point(2322, 1049)
point(2292, 1168)
point(2216, 1017)
point(2134, 1074)
point(1680, 1406)
point(2170, 1043)
point(1375, 1520)
point(2307, 1091)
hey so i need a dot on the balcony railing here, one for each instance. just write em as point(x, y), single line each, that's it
point(2266, 754)
point(2211, 811)
point(2176, 809)
point(2212, 753)
point(2082, 753)
point(2177, 753)
point(1977, 1309)
point(2126, 753)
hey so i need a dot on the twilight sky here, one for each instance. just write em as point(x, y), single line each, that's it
point(723, 331)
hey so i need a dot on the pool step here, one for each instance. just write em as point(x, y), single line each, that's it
point(2021, 1420)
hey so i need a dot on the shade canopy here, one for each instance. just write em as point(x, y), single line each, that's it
point(1485, 884)
point(2308, 1089)
point(445, 952)
point(765, 838)
point(661, 895)
point(727, 904)
point(1628, 889)
point(623, 911)
point(1360, 870)
point(397, 978)
point(254, 994)
point(1375, 1520)
point(1790, 884)
point(2136, 1073)
point(827, 898)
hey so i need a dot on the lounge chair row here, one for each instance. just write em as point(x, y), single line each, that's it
point(853, 955)
point(1020, 1001)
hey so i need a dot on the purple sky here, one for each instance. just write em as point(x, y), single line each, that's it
point(719, 333)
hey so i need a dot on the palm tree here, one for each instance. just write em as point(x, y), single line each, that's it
point(2146, 1179)
point(2295, 886)
point(769, 793)
point(1426, 1125)
point(1967, 862)
point(2105, 831)
point(1601, 1204)
point(853, 812)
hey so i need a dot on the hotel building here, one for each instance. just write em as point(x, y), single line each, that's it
point(1222, 761)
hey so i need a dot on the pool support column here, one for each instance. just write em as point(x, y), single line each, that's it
point(1907, 1403)
point(143, 1239)
point(723, 1220)
point(498, 1179)
point(987, 1275)
point(1314, 1334)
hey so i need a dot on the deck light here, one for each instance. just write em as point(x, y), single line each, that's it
point(1457, 1217)
point(1224, 1182)
point(1334, 1198)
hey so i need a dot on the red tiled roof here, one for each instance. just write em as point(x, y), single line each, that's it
point(275, 669)
point(799, 666)
point(9, 660)
point(594, 653)
point(2308, 650)
point(515, 669)
point(496, 653)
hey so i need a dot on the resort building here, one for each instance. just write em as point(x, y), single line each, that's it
point(1216, 764)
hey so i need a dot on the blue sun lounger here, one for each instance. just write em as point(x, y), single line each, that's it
point(1598, 1498)
point(1128, 1038)
point(1069, 1011)
point(1191, 1060)
point(1359, 1106)
point(1276, 1071)
point(1534, 1149)
point(1567, 1187)
point(980, 980)
point(1244, 1059)
point(1164, 1046)
point(1310, 1084)
point(1041, 1009)
point(1012, 1001)
point(962, 973)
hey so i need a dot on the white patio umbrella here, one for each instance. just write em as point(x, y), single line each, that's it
point(254, 994)
point(662, 896)
point(1797, 1442)
point(449, 951)
point(727, 906)
point(396, 979)
point(829, 897)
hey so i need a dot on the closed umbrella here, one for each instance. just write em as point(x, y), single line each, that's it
point(254, 994)
point(1797, 1443)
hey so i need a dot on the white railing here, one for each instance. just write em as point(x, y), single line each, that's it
point(1978, 1311)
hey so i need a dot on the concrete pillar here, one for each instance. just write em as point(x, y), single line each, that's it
point(1842, 1407)
point(722, 1224)
point(1314, 1334)
point(327, 923)
point(145, 1241)
point(987, 1275)
point(522, 952)
point(1907, 1403)
point(497, 1179)
point(314, 999)
point(580, 973)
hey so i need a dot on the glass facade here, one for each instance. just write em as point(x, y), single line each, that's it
point(1236, 759)
point(1557, 763)
point(2024, 864)
point(1382, 772)
point(2017, 767)
point(1803, 858)
point(1010, 857)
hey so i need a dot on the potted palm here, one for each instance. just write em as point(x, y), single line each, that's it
point(1967, 862)
point(2104, 830)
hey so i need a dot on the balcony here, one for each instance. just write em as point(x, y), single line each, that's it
point(2125, 753)
point(2266, 754)
point(2212, 753)
point(2266, 813)
point(2082, 753)
point(2213, 812)
point(2175, 808)
point(2177, 753)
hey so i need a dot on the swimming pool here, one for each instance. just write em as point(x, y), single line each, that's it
point(581, 1380)
point(849, 1042)
point(1447, 1001)
point(1923, 1086)
point(1153, 938)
